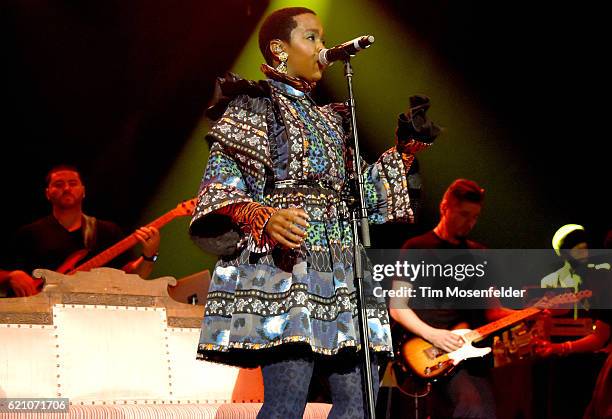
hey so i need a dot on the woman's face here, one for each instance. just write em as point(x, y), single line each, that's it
point(303, 48)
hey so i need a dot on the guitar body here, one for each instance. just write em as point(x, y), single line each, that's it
point(72, 260)
point(430, 362)
point(408, 382)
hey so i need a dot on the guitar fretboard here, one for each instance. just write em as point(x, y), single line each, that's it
point(125, 244)
point(485, 330)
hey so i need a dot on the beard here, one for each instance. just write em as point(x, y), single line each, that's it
point(67, 201)
point(578, 263)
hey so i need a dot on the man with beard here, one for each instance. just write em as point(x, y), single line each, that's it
point(570, 243)
point(49, 241)
point(580, 356)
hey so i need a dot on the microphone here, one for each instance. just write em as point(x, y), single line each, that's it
point(346, 50)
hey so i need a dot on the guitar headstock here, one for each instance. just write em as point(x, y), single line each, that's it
point(566, 298)
point(186, 207)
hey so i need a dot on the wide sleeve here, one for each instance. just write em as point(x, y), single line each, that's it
point(393, 183)
point(387, 189)
point(235, 174)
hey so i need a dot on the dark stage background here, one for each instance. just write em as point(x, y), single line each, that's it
point(118, 87)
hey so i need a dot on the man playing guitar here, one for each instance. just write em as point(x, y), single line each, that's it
point(49, 241)
point(469, 393)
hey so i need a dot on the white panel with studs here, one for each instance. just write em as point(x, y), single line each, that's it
point(28, 359)
point(111, 352)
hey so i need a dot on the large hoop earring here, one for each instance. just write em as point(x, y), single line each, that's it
point(282, 67)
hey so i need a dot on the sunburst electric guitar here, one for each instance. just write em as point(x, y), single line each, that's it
point(430, 362)
point(69, 266)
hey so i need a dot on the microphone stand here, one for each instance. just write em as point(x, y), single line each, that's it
point(359, 218)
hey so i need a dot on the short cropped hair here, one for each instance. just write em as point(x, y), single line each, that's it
point(278, 25)
point(464, 190)
point(60, 168)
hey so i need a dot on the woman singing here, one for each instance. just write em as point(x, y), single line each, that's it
point(272, 204)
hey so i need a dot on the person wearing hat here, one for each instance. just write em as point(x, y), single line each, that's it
point(570, 243)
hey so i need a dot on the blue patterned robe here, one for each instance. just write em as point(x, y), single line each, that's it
point(281, 150)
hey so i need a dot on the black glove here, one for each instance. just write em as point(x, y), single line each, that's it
point(414, 124)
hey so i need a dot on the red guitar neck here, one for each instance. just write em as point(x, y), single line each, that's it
point(124, 245)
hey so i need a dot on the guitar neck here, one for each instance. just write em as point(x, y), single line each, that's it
point(124, 245)
point(487, 329)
